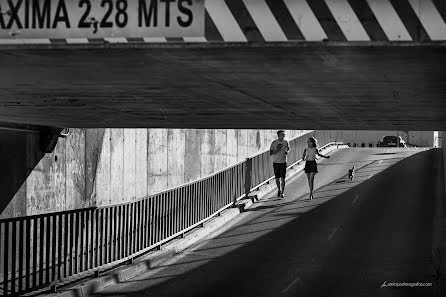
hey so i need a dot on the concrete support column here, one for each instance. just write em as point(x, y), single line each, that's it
point(439, 228)
point(442, 143)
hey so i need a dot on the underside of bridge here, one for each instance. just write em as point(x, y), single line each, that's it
point(220, 85)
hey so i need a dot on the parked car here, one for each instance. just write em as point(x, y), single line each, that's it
point(391, 141)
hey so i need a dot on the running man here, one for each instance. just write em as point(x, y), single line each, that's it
point(279, 149)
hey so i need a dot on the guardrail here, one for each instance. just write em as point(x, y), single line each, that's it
point(40, 250)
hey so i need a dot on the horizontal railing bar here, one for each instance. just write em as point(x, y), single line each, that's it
point(44, 215)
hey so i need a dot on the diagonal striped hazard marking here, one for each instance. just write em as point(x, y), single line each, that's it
point(389, 20)
point(430, 18)
point(265, 20)
point(347, 20)
point(306, 20)
point(225, 22)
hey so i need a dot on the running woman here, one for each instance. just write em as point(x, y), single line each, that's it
point(309, 156)
point(279, 149)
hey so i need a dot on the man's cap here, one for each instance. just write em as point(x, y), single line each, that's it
point(280, 131)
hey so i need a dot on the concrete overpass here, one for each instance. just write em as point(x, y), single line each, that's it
point(301, 86)
point(310, 64)
point(304, 64)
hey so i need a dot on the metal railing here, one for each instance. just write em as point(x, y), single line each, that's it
point(40, 250)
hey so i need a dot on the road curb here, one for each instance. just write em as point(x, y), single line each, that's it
point(170, 249)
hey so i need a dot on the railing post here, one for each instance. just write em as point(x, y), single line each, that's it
point(248, 176)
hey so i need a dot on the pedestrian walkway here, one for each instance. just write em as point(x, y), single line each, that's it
point(354, 239)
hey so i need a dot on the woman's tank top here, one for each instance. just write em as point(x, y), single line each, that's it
point(310, 154)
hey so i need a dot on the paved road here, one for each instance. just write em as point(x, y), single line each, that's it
point(349, 241)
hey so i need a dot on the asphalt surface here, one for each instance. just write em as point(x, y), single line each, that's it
point(356, 238)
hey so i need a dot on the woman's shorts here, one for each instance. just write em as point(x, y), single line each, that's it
point(310, 166)
point(279, 170)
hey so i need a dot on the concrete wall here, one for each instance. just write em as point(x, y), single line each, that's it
point(418, 138)
point(107, 166)
point(421, 138)
point(442, 144)
point(32, 183)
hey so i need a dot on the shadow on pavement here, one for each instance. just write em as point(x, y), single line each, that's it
point(375, 231)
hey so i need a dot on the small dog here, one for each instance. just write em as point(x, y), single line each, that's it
point(351, 173)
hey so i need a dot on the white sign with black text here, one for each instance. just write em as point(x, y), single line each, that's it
point(101, 18)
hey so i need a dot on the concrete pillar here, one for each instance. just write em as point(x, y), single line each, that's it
point(267, 139)
point(176, 146)
point(129, 163)
point(141, 163)
point(231, 147)
point(75, 171)
point(207, 152)
point(220, 149)
point(253, 142)
point(192, 155)
point(45, 187)
point(242, 145)
point(442, 143)
point(102, 180)
point(157, 161)
point(95, 140)
point(116, 166)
